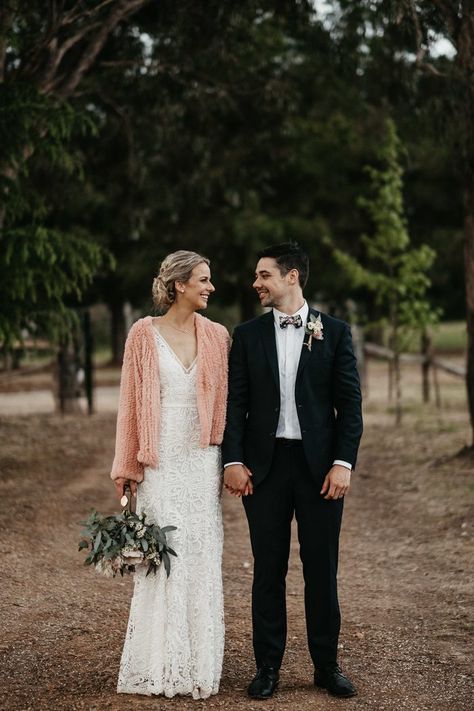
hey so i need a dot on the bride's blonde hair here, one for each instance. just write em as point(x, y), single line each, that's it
point(177, 266)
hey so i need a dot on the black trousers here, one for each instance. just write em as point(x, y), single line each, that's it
point(289, 490)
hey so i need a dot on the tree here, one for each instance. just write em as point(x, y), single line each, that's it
point(254, 139)
point(408, 31)
point(396, 273)
point(456, 21)
point(43, 59)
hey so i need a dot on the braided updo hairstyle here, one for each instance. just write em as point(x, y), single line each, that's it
point(177, 266)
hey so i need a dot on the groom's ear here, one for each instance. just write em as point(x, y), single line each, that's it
point(293, 276)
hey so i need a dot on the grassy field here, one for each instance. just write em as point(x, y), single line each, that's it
point(449, 337)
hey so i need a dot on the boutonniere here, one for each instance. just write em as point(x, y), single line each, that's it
point(314, 329)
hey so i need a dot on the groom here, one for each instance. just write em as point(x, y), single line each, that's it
point(293, 429)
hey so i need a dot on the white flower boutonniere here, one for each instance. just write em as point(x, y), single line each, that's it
point(314, 329)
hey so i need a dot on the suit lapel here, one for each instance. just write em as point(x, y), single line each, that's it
point(305, 352)
point(269, 342)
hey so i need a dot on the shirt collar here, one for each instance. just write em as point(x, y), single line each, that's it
point(303, 312)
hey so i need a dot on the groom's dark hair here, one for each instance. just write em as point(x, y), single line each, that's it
point(288, 255)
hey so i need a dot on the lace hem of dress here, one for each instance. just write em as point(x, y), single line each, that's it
point(148, 687)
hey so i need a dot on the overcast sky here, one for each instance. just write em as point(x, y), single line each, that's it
point(441, 46)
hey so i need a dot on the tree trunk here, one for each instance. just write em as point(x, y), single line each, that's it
point(67, 386)
point(88, 362)
point(465, 60)
point(117, 332)
point(469, 277)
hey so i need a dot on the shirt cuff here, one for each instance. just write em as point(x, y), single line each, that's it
point(342, 464)
point(229, 464)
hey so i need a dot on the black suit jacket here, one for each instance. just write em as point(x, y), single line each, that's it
point(327, 395)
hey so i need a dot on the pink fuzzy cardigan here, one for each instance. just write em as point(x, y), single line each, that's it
point(138, 421)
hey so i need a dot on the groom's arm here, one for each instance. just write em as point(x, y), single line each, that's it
point(347, 400)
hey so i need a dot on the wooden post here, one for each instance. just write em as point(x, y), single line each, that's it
point(88, 364)
point(390, 363)
point(398, 388)
point(66, 378)
point(436, 387)
point(427, 353)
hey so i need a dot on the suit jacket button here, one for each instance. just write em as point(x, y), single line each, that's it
point(272, 434)
point(303, 431)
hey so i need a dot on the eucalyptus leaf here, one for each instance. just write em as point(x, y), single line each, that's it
point(97, 541)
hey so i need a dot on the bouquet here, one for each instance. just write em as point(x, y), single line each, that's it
point(117, 544)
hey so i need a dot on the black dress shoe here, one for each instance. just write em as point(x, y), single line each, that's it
point(331, 678)
point(264, 683)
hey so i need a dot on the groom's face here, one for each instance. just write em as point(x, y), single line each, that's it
point(272, 288)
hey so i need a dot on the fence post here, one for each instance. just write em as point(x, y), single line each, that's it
point(427, 353)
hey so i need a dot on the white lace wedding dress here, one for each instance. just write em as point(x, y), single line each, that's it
point(175, 636)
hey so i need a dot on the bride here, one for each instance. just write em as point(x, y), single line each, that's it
point(170, 425)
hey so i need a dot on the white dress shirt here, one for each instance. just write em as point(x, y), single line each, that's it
point(289, 342)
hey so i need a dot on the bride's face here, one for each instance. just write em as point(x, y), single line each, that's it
point(198, 287)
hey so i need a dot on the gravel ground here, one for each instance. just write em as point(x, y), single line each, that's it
point(404, 577)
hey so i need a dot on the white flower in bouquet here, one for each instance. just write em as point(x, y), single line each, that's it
point(154, 557)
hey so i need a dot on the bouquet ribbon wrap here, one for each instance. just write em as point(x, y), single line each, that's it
point(127, 501)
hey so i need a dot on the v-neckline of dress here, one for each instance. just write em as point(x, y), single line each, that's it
point(178, 360)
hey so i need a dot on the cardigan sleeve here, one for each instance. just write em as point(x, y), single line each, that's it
point(127, 445)
point(221, 375)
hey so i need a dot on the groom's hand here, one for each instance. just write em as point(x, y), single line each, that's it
point(237, 480)
point(337, 482)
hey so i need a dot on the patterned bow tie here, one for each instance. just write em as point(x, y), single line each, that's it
point(291, 321)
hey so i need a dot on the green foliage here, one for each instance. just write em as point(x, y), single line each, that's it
point(116, 544)
point(41, 267)
point(31, 122)
point(395, 272)
point(223, 127)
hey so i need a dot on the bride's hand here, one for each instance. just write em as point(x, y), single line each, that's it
point(120, 485)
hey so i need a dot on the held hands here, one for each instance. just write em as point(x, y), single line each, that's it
point(120, 484)
point(337, 482)
point(237, 480)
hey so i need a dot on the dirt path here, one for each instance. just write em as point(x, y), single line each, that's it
point(404, 578)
